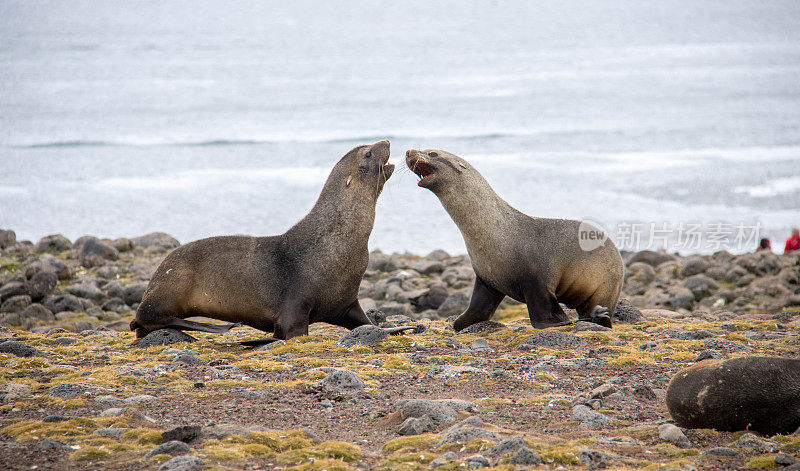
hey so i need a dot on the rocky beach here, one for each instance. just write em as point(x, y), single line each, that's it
point(79, 391)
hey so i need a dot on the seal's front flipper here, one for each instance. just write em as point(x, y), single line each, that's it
point(546, 324)
point(183, 324)
point(482, 304)
point(599, 315)
point(258, 342)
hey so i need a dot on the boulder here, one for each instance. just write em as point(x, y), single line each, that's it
point(53, 243)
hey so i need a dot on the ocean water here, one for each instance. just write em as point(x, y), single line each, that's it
point(210, 117)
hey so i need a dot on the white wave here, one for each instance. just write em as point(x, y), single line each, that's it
point(778, 186)
point(300, 176)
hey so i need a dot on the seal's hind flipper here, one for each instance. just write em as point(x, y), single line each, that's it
point(599, 315)
point(258, 342)
point(183, 324)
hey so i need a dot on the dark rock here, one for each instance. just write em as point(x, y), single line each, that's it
point(53, 243)
point(7, 238)
point(375, 316)
point(16, 303)
point(456, 303)
point(483, 326)
point(182, 433)
point(48, 262)
point(86, 291)
point(156, 239)
point(430, 299)
point(13, 288)
point(183, 463)
point(785, 459)
point(93, 252)
point(55, 418)
point(679, 297)
point(694, 266)
point(626, 312)
point(111, 432)
point(164, 337)
point(37, 311)
point(63, 302)
point(506, 446)
point(381, 262)
point(123, 244)
point(709, 355)
point(41, 284)
point(552, 339)
point(476, 462)
point(173, 447)
point(651, 258)
point(48, 444)
point(133, 293)
point(701, 286)
point(363, 335)
point(19, 349)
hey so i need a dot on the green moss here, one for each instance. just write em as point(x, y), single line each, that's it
point(763, 462)
point(281, 440)
point(257, 449)
point(323, 465)
point(561, 455)
point(90, 453)
point(28, 431)
point(332, 449)
point(425, 441)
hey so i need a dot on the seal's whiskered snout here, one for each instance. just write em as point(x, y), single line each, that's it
point(422, 167)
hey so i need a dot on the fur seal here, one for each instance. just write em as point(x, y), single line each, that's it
point(747, 393)
point(283, 283)
point(537, 261)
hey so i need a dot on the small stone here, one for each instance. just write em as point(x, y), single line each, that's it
point(48, 444)
point(438, 462)
point(415, 426)
point(508, 445)
point(589, 419)
point(363, 335)
point(111, 432)
point(525, 456)
point(466, 435)
point(53, 243)
point(438, 412)
point(481, 345)
point(55, 418)
point(183, 433)
point(342, 382)
point(483, 326)
point(672, 434)
point(112, 412)
point(784, 459)
point(604, 390)
point(583, 326)
point(750, 441)
point(107, 401)
point(595, 459)
point(476, 462)
point(16, 303)
point(375, 316)
point(450, 455)
point(183, 463)
point(709, 355)
point(174, 447)
point(326, 403)
point(164, 337)
point(552, 339)
point(722, 451)
point(156, 239)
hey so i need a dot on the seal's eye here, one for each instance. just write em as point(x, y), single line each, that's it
point(433, 154)
point(368, 155)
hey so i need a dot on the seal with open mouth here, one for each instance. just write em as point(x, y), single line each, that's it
point(281, 283)
point(537, 261)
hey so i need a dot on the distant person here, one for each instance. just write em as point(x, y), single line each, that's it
point(793, 242)
point(764, 244)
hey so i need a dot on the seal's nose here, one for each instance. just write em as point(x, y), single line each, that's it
point(408, 153)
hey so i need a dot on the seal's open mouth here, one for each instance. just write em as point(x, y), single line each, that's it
point(422, 169)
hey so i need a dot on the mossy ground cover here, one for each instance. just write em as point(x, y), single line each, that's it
point(273, 415)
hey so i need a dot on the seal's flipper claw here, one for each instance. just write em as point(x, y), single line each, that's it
point(258, 342)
